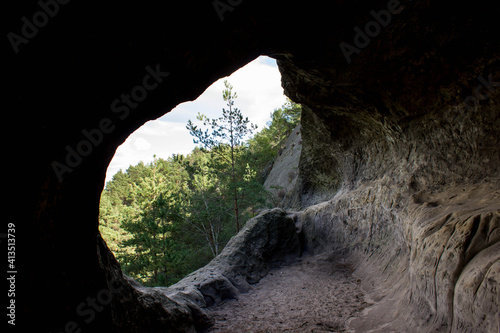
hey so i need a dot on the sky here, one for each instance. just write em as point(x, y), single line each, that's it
point(259, 90)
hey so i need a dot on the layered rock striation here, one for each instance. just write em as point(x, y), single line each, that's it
point(406, 183)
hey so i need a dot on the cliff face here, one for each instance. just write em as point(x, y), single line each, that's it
point(426, 241)
point(399, 167)
point(399, 171)
point(282, 178)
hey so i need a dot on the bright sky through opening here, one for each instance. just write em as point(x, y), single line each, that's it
point(259, 90)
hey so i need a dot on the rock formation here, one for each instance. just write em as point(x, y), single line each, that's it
point(267, 241)
point(406, 180)
point(399, 167)
point(283, 176)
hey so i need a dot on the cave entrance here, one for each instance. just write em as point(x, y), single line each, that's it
point(158, 185)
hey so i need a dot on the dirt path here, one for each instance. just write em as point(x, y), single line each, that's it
point(311, 295)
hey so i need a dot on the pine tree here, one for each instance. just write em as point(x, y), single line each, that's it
point(161, 196)
point(283, 121)
point(228, 131)
point(167, 218)
point(208, 210)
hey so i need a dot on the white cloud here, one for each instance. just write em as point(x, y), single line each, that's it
point(258, 86)
point(142, 144)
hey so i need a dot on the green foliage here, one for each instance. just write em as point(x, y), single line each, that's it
point(161, 198)
point(170, 217)
point(283, 121)
point(225, 141)
point(268, 143)
point(210, 213)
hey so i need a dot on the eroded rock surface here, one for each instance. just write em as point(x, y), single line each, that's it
point(399, 168)
point(410, 195)
point(284, 174)
point(267, 241)
point(313, 294)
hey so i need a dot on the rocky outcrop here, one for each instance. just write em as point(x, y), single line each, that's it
point(267, 241)
point(419, 267)
point(133, 305)
point(407, 187)
point(285, 170)
point(399, 167)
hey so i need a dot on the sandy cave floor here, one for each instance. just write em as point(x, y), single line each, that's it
point(313, 294)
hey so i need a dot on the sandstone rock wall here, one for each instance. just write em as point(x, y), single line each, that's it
point(266, 241)
point(283, 177)
point(411, 196)
point(400, 156)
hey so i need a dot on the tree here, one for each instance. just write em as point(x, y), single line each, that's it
point(170, 217)
point(265, 145)
point(162, 197)
point(208, 209)
point(227, 131)
point(283, 121)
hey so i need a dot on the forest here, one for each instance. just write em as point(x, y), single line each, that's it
point(169, 217)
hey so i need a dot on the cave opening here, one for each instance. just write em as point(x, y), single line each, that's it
point(159, 164)
point(419, 177)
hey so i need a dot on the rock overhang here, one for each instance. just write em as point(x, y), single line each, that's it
point(392, 102)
